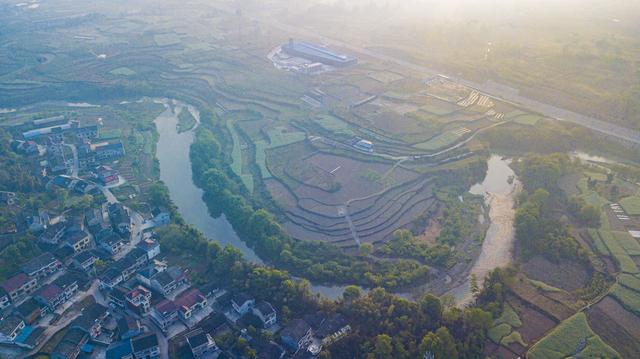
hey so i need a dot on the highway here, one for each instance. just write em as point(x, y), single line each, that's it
point(512, 97)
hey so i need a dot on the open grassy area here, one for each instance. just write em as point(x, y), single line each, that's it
point(573, 336)
point(631, 205)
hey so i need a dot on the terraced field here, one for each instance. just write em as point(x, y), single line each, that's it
point(343, 200)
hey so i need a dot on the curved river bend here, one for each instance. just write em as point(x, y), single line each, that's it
point(175, 172)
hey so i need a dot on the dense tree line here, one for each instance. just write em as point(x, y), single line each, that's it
point(537, 225)
point(387, 326)
point(15, 172)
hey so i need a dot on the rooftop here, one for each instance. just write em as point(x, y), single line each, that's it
point(38, 263)
point(189, 298)
point(15, 282)
point(166, 306)
point(49, 292)
point(296, 329)
point(144, 342)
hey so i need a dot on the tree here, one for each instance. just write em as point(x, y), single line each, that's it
point(383, 348)
point(351, 293)
point(366, 249)
point(448, 343)
point(431, 309)
point(431, 346)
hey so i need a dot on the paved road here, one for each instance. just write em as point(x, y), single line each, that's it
point(504, 94)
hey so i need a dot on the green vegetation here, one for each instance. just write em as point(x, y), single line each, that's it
point(439, 142)
point(514, 337)
point(15, 173)
point(544, 286)
point(629, 298)
point(281, 136)
point(631, 205)
point(564, 341)
point(404, 245)
point(630, 281)
point(186, 121)
point(627, 265)
point(334, 124)
point(509, 316)
point(498, 332)
point(527, 119)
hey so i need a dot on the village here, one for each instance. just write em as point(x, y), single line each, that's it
point(100, 287)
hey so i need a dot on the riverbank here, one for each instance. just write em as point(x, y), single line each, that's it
point(500, 188)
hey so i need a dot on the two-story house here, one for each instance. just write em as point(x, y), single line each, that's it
point(242, 303)
point(41, 266)
point(19, 286)
point(189, 302)
point(139, 300)
point(164, 314)
point(267, 314)
point(78, 240)
point(145, 346)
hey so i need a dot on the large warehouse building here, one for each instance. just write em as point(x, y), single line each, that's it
point(316, 53)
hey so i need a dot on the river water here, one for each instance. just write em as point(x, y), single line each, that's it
point(175, 172)
point(499, 189)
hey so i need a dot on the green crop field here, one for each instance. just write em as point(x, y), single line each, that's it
point(627, 265)
point(601, 248)
point(630, 299)
point(236, 152)
point(545, 287)
point(529, 120)
point(122, 71)
point(261, 158)
point(630, 244)
point(631, 205)
point(630, 281)
point(439, 141)
point(279, 136)
point(334, 124)
point(564, 341)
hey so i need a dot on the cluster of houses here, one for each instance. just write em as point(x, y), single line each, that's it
point(50, 137)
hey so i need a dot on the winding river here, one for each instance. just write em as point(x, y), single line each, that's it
point(175, 172)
